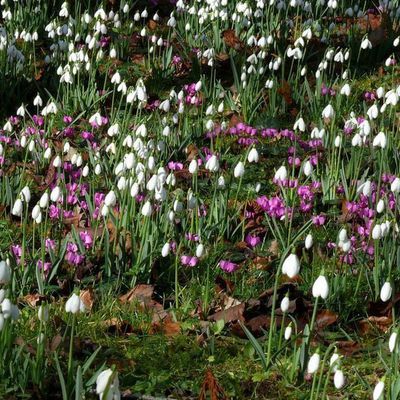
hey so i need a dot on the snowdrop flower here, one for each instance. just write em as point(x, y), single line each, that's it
point(320, 287)
point(253, 156)
point(165, 249)
point(328, 112)
point(307, 168)
point(281, 174)
point(392, 341)
point(147, 209)
point(239, 170)
point(291, 266)
point(107, 383)
point(212, 164)
point(55, 194)
point(110, 199)
point(378, 390)
point(300, 125)
point(313, 363)
point(17, 208)
point(5, 272)
point(376, 232)
point(74, 304)
point(380, 140)
point(373, 112)
point(338, 379)
point(366, 44)
point(285, 304)
point(345, 90)
point(386, 291)
point(26, 194)
point(37, 101)
point(193, 166)
point(395, 185)
point(288, 332)
point(334, 361)
point(308, 242)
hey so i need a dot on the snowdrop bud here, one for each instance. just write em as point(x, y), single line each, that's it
point(165, 250)
point(239, 170)
point(85, 171)
point(26, 194)
point(47, 153)
point(17, 208)
point(395, 185)
point(147, 209)
point(55, 194)
point(285, 304)
point(105, 210)
point(338, 141)
point(378, 390)
point(253, 156)
point(36, 211)
point(291, 266)
point(57, 162)
point(376, 232)
point(74, 305)
point(193, 166)
point(199, 250)
point(288, 332)
point(307, 168)
point(44, 200)
point(43, 313)
point(380, 206)
point(23, 141)
point(320, 287)
point(392, 341)
point(386, 292)
point(97, 169)
point(334, 361)
point(5, 272)
point(110, 199)
point(198, 86)
point(313, 363)
point(338, 379)
point(221, 182)
point(308, 242)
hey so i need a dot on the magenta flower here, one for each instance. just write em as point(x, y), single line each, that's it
point(228, 266)
point(189, 261)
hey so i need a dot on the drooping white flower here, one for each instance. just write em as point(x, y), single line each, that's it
point(313, 363)
point(239, 170)
point(5, 272)
point(338, 379)
point(291, 266)
point(378, 390)
point(386, 291)
point(107, 383)
point(74, 304)
point(392, 341)
point(320, 287)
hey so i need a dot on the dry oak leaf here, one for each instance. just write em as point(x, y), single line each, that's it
point(141, 293)
point(87, 296)
point(234, 313)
